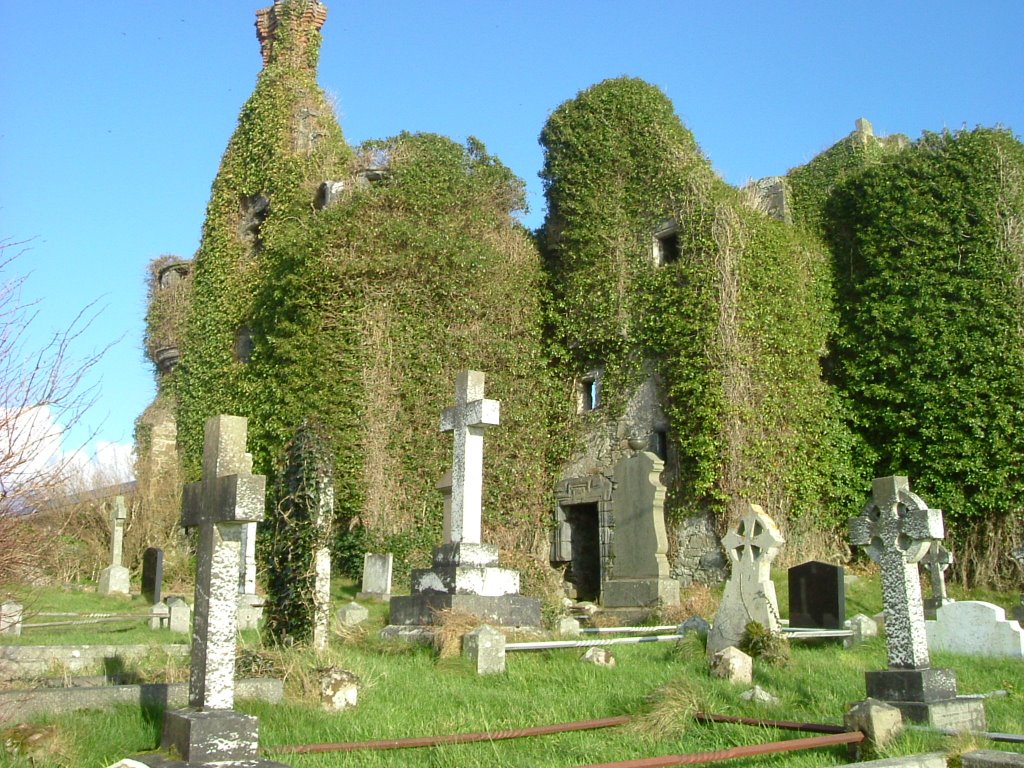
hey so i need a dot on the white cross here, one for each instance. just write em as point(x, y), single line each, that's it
point(228, 497)
point(467, 419)
point(896, 529)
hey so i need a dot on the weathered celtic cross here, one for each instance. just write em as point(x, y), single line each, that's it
point(750, 593)
point(896, 529)
point(935, 562)
point(467, 420)
point(228, 497)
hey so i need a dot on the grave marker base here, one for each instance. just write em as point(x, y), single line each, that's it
point(503, 610)
point(208, 736)
point(927, 696)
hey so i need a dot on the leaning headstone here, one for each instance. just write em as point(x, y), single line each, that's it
point(485, 648)
point(179, 614)
point(10, 618)
point(114, 578)
point(896, 528)
point(153, 575)
point(817, 596)
point(301, 525)
point(352, 614)
point(749, 594)
point(376, 577)
point(228, 497)
point(975, 628)
point(934, 563)
point(639, 573)
point(465, 575)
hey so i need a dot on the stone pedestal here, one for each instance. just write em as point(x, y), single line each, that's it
point(211, 735)
point(927, 696)
point(114, 580)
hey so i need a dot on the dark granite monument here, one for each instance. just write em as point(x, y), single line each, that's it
point(153, 575)
point(817, 596)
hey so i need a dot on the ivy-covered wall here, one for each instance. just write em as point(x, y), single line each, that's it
point(929, 263)
point(735, 327)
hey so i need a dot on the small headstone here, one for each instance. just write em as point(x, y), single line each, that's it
point(817, 596)
point(935, 563)
point(10, 618)
point(153, 575)
point(159, 616)
point(567, 626)
point(179, 614)
point(339, 689)
point(749, 594)
point(376, 576)
point(352, 614)
point(733, 665)
point(861, 628)
point(759, 695)
point(602, 657)
point(485, 648)
point(114, 578)
point(975, 628)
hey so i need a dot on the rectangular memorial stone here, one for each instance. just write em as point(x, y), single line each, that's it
point(817, 596)
point(153, 575)
point(376, 576)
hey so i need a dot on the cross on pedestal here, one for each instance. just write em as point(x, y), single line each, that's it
point(935, 562)
point(896, 529)
point(118, 514)
point(228, 497)
point(467, 420)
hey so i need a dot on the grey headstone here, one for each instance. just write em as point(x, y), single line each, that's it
point(377, 571)
point(485, 648)
point(10, 618)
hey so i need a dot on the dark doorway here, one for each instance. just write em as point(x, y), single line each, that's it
point(585, 568)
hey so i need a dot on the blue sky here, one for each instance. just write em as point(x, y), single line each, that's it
point(116, 112)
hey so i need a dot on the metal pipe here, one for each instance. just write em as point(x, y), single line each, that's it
point(542, 645)
point(86, 622)
point(782, 725)
point(458, 738)
point(628, 630)
point(720, 755)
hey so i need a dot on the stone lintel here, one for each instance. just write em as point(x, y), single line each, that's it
point(627, 593)
point(464, 553)
point(505, 611)
point(207, 736)
point(911, 685)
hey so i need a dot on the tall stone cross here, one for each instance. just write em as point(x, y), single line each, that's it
point(896, 529)
point(467, 419)
point(118, 514)
point(228, 497)
point(935, 562)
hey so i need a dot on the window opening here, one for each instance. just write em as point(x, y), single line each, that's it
point(666, 244)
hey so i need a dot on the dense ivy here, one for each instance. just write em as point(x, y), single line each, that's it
point(929, 251)
point(735, 327)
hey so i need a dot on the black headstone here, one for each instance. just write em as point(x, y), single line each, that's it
point(153, 574)
point(817, 596)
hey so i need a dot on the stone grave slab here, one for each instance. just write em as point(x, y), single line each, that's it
point(153, 575)
point(975, 628)
point(639, 574)
point(817, 596)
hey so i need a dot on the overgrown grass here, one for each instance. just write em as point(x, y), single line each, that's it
point(408, 691)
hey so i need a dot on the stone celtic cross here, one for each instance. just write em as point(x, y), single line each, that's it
point(467, 420)
point(935, 563)
point(896, 529)
point(118, 514)
point(228, 497)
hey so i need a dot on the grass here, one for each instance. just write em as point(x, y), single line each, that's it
point(409, 691)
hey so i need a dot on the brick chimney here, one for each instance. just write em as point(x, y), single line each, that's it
point(287, 29)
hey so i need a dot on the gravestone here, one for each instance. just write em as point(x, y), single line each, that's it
point(639, 575)
point(465, 575)
point(935, 562)
point(896, 528)
point(114, 578)
point(10, 618)
point(376, 577)
point(817, 596)
point(179, 614)
point(228, 497)
point(153, 575)
point(975, 628)
point(749, 594)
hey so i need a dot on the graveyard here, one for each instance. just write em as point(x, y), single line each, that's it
point(657, 484)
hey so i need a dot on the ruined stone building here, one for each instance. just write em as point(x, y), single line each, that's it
point(658, 309)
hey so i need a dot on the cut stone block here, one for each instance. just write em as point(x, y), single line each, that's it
point(10, 618)
point(180, 614)
point(211, 735)
point(339, 689)
point(975, 628)
point(733, 665)
point(114, 580)
point(878, 721)
point(352, 614)
point(485, 647)
point(991, 758)
point(159, 616)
